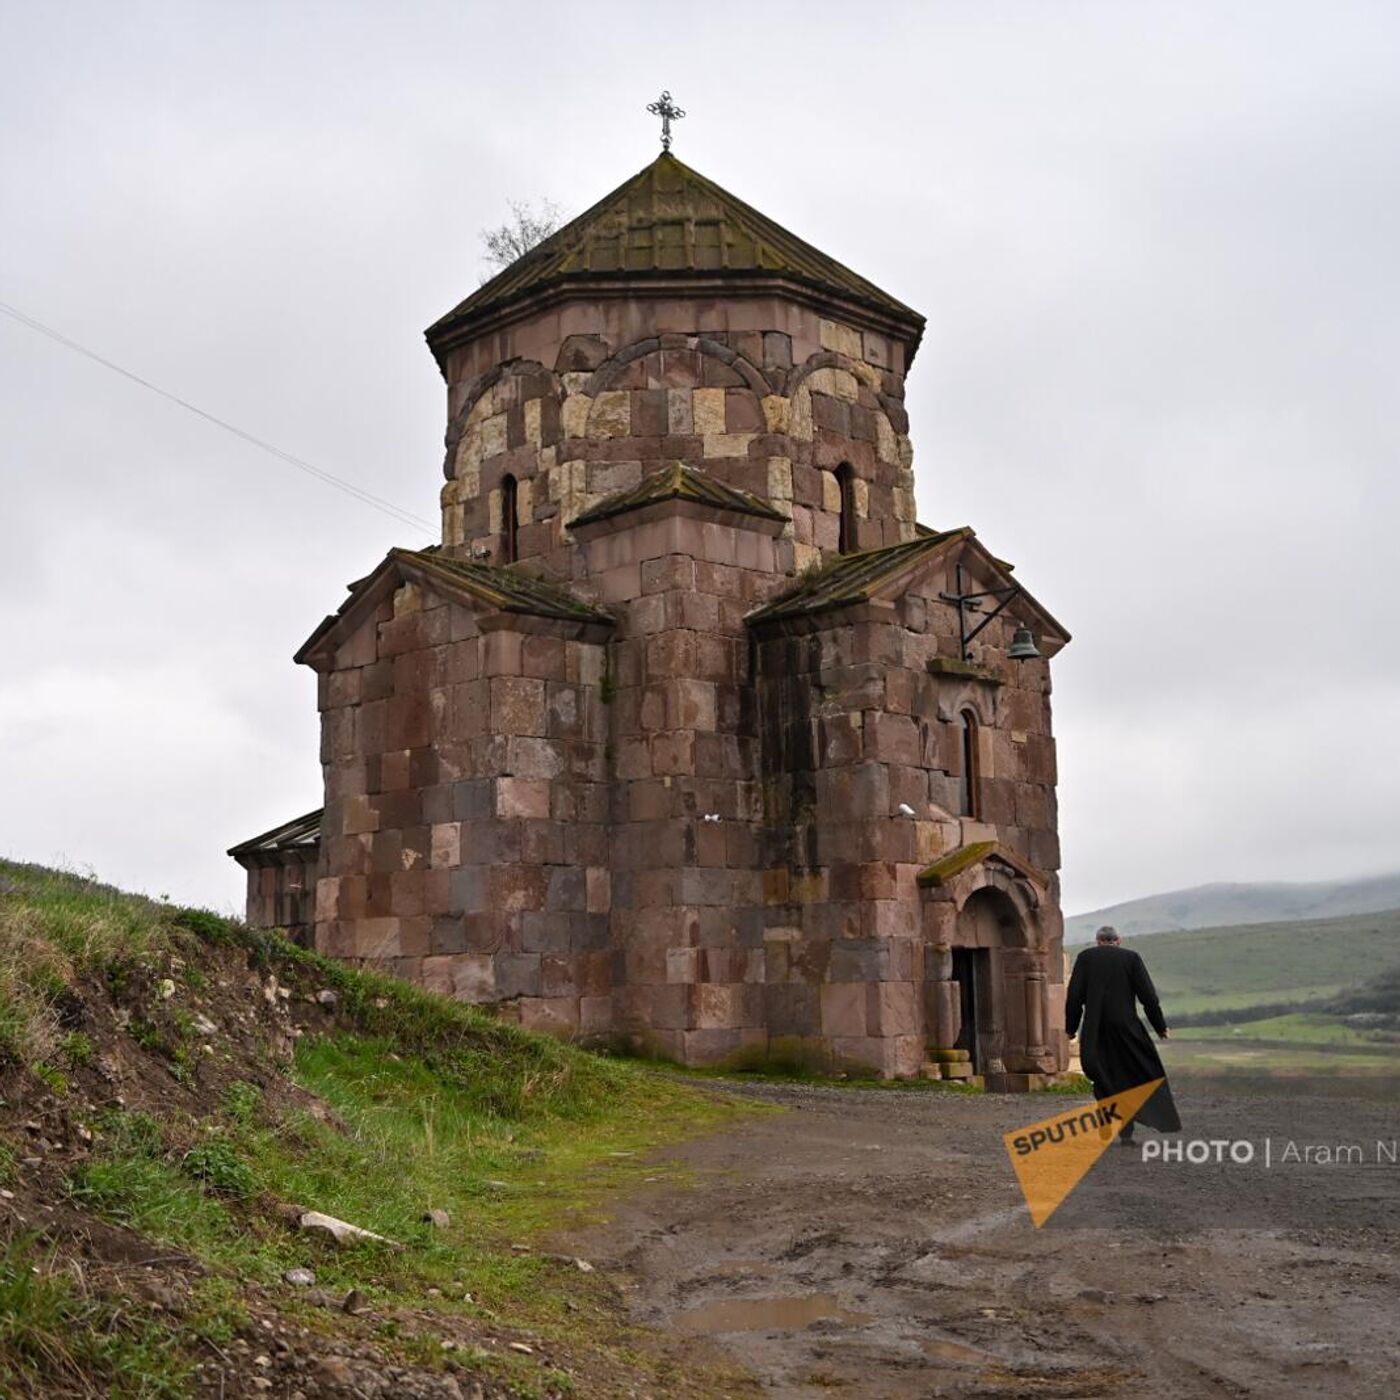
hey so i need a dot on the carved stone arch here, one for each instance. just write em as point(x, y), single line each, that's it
point(831, 359)
point(981, 699)
point(610, 371)
point(996, 884)
point(475, 402)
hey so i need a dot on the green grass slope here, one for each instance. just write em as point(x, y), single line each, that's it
point(175, 1090)
point(1224, 968)
point(1304, 998)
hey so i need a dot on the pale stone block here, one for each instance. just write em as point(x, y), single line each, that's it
point(474, 977)
point(707, 411)
point(575, 413)
point(893, 1009)
point(483, 408)
point(609, 477)
point(359, 816)
point(327, 900)
point(446, 850)
point(779, 479)
point(806, 556)
point(557, 1016)
point(468, 453)
point(800, 419)
point(408, 599)
point(525, 500)
point(599, 889)
point(522, 797)
point(532, 422)
point(493, 436)
point(438, 974)
point(718, 1005)
point(861, 491)
point(777, 412)
point(876, 350)
point(611, 415)
point(726, 444)
point(493, 512)
point(683, 965)
point(886, 447)
point(843, 339)
point(844, 385)
point(831, 493)
point(679, 419)
point(575, 380)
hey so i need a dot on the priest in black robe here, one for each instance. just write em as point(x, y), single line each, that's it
point(1117, 1053)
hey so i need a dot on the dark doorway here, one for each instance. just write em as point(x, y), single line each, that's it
point(971, 968)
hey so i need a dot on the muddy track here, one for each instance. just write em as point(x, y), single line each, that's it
point(874, 1243)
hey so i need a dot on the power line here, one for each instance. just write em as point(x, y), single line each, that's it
point(329, 478)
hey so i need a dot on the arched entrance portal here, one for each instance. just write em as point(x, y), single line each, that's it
point(988, 924)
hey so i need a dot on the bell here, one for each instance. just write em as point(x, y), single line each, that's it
point(1023, 647)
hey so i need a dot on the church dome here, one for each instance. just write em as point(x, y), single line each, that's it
point(670, 230)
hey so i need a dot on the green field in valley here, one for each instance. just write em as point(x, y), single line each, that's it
point(1260, 971)
point(1242, 965)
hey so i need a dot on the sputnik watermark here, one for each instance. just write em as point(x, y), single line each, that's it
point(1269, 1153)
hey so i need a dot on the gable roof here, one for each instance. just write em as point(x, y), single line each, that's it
point(853, 578)
point(500, 589)
point(860, 577)
point(669, 222)
point(302, 833)
point(678, 482)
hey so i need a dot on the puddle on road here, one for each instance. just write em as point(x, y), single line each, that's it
point(953, 1351)
point(765, 1314)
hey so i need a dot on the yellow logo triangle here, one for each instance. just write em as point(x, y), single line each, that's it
point(1051, 1157)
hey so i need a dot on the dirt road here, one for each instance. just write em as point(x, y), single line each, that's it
point(874, 1243)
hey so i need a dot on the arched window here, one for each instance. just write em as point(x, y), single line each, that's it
point(846, 480)
point(510, 520)
point(969, 798)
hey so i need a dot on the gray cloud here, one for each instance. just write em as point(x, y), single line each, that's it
point(1154, 243)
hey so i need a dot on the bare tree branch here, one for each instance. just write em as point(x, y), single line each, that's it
point(510, 241)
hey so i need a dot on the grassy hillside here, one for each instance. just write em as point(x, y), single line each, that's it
point(1214, 968)
point(177, 1091)
point(1313, 997)
point(1232, 905)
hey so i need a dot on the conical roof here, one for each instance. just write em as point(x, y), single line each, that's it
point(669, 224)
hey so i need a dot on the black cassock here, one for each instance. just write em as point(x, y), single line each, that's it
point(1114, 1047)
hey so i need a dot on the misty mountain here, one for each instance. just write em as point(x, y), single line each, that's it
point(1207, 906)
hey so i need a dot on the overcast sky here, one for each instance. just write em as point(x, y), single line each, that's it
point(1156, 244)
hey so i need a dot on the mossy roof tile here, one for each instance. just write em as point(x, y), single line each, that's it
point(508, 589)
point(683, 483)
point(668, 221)
point(853, 578)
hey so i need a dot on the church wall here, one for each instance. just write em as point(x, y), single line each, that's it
point(773, 410)
point(685, 923)
point(282, 892)
point(466, 810)
point(855, 718)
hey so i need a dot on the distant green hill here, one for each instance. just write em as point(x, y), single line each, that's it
point(1238, 966)
point(1229, 905)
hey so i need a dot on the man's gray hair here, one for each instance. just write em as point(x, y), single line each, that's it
point(1107, 934)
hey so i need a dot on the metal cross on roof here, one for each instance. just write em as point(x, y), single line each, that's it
point(668, 112)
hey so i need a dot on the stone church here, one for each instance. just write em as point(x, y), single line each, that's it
point(688, 735)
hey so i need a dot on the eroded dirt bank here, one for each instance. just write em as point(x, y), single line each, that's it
point(874, 1243)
